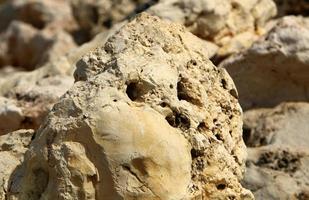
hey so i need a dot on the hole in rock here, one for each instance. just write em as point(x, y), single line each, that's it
point(136, 89)
point(196, 153)
point(233, 92)
point(163, 104)
point(224, 83)
point(133, 91)
point(178, 120)
point(221, 186)
point(219, 137)
point(202, 126)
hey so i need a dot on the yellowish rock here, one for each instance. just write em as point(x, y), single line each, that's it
point(148, 117)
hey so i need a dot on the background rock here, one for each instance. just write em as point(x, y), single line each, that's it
point(277, 166)
point(276, 68)
point(230, 24)
point(26, 47)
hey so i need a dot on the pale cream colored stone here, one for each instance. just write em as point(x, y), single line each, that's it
point(149, 117)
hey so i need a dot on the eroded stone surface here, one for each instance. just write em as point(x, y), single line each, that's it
point(149, 117)
point(277, 166)
point(275, 68)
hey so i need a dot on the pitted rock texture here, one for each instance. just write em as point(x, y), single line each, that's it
point(231, 24)
point(275, 68)
point(149, 117)
point(277, 166)
point(12, 149)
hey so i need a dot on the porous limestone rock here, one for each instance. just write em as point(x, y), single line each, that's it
point(27, 47)
point(277, 166)
point(148, 117)
point(12, 149)
point(275, 68)
point(231, 24)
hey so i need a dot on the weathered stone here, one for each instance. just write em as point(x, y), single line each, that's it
point(275, 68)
point(277, 167)
point(12, 149)
point(231, 24)
point(149, 117)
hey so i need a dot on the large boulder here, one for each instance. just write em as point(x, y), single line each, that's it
point(275, 68)
point(148, 117)
point(278, 138)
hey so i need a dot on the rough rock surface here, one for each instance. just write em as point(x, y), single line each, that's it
point(277, 167)
point(149, 117)
point(22, 45)
point(12, 149)
point(231, 24)
point(275, 68)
